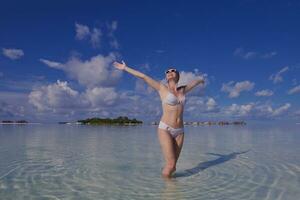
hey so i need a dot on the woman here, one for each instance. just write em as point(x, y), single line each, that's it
point(170, 129)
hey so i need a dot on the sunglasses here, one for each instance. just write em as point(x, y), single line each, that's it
point(170, 70)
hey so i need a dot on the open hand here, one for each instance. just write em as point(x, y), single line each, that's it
point(120, 66)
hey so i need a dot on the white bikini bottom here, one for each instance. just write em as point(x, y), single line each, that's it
point(174, 132)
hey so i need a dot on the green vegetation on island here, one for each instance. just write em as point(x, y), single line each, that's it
point(107, 121)
point(14, 122)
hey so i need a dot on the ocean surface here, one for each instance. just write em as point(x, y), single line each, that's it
point(256, 161)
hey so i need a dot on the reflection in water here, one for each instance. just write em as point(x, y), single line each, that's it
point(204, 165)
point(170, 190)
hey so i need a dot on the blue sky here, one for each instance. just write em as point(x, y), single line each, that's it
point(55, 61)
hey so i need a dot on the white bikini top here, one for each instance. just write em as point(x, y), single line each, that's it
point(173, 100)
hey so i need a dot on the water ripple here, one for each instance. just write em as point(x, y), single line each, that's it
point(91, 169)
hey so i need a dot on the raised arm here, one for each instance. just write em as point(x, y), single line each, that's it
point(193, 84)
point(153, 83)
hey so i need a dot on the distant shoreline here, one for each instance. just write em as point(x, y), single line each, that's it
point(211, 123)
point(19, 123)
point(202, 123)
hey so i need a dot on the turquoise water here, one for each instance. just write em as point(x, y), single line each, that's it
point(103, 162)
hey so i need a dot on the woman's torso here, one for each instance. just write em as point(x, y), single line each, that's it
point(172, 112)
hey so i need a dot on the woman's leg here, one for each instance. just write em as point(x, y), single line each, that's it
point(168, 149)
point(178, 146)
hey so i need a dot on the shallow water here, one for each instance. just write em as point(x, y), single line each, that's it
point(111, 162)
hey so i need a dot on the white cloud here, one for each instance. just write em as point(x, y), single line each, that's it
point(53, 96)
point(249, 55)
point(195, 106)
point(112, 27)
point(13, 54)
point(240, 52)
point(277, 77)
point(83, 32)
point(100, 96)
point(59, 97)
point(281, 109)
point(256, 110)
point(269, 54)
point(58, 101)
point(266, 110)
point(52, 64)
point(239, 110)
point(95, 37)
point(211, 104)
point(94, 72)
point(294, 90)
point(246, 55)
point(234, 90)
point(264, 93)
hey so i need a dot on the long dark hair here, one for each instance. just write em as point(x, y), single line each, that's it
point(178, 75)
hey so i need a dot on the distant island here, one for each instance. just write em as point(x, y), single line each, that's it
point(122, 120)
point(14, 122)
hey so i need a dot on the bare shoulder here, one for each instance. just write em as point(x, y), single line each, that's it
point(163, 86)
